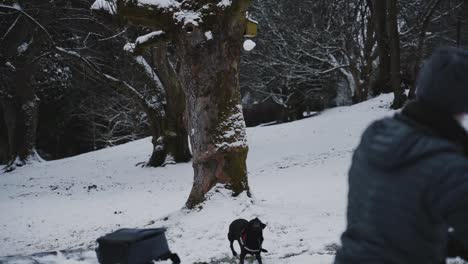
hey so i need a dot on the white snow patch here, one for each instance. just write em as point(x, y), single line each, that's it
point(224, 3)
point(169, 160)
point(17, 6)
point(22, 48)
point(10, 65)
point(297, 175)
point(150, 72)
point(187, 17)
point(129, 47)
point(145, 38)
point(108, 6)
point(209, 35)
point(249, 45)
point(250, 18)
point(160, 3)
point(163, 262)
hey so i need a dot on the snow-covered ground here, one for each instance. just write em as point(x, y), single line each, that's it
point(297, 174)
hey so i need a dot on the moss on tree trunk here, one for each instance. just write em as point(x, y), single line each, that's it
point(210, 77)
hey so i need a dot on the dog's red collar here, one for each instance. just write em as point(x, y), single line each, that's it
point(243, 240)
point(243, 236)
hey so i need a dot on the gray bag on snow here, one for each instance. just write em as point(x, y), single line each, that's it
point(134, 246)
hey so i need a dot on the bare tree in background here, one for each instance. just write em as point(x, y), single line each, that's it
point(33, 32)
point(388, 38)
point(417, 18)
point(306, 49)
point(394, 41)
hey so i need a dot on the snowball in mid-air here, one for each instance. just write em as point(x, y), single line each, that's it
point(249, 45)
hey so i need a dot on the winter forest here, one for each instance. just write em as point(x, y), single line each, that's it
point(189, 114)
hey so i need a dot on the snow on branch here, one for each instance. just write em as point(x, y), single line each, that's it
point(167, 14)
point(112, 81)
point(166, 4)
point(109, 6)
point(224, 3)
point(148, 37)
point(149, 40)
point(188, 17)
point(149, 71)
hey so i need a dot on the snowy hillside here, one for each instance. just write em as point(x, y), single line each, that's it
point(297, 173)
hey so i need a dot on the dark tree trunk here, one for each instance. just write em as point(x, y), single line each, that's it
point(464, 25)
point(4, 148)
point(18, 98)
point(369, 44)
point(394, 39)
point(209, 74)
point(171, 139)
point(382, 85)
point(159, 155)
point(21, 115)
point(210, 77)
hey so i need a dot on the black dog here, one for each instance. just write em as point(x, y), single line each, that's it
point(249, 235)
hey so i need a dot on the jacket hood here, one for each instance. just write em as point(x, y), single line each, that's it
point(395, 142)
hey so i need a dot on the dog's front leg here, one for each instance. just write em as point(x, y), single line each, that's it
point(232, 248)
point(242, 256)
point(259, 258)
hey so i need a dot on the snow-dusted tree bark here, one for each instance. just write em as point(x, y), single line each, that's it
point(208, 37)
point(173, 139)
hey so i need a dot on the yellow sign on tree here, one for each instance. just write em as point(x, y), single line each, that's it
point(251, 28)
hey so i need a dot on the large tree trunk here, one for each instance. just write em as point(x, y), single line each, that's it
point(394, 38)
point(210, 77)
point(18, 98)
point(172, 143)
point(383, 80)
point(208, 36)
point(21, 115)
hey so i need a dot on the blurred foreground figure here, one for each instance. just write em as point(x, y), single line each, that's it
point(408, 182)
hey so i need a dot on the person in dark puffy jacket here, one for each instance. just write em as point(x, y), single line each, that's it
point(408, 182)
